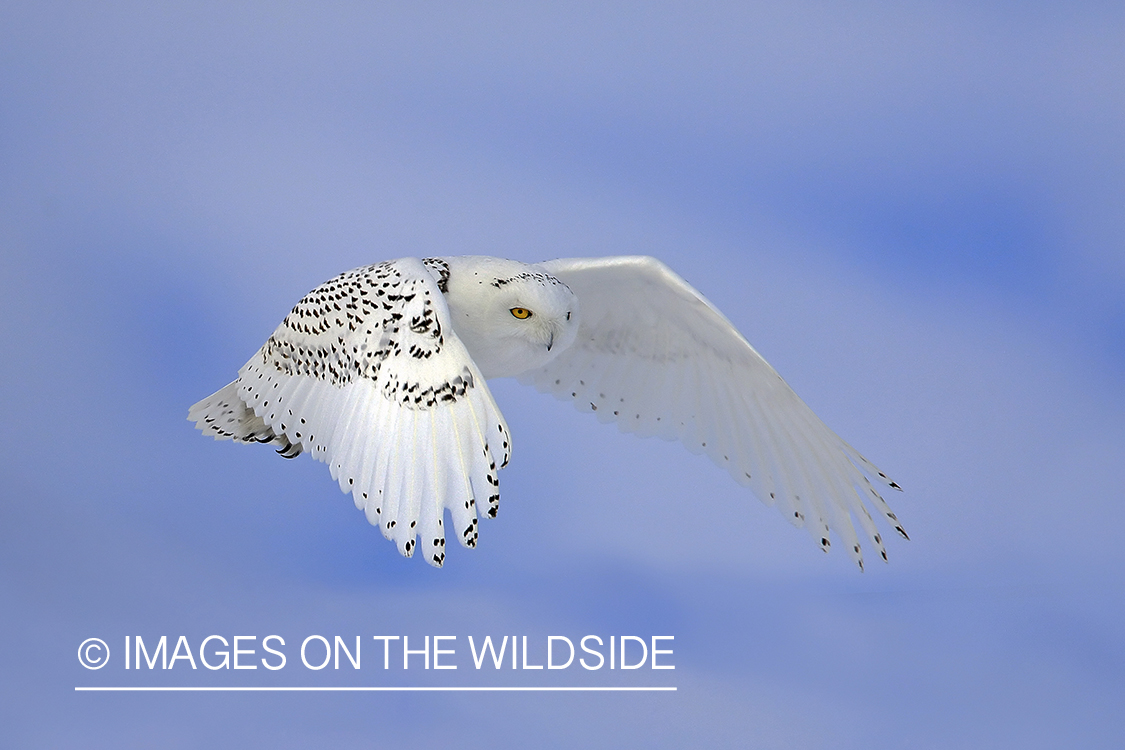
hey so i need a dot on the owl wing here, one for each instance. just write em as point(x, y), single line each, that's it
point(654, 356)
point(367, 375)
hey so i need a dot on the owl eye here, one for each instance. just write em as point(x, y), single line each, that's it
point(521, 312)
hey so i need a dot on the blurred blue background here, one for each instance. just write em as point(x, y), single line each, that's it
point(915, 211)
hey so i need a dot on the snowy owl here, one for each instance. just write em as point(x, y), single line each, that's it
point(381, 374)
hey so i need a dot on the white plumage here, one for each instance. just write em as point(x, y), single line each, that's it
point(380, 373)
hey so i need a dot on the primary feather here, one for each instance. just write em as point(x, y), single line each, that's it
point(380, 373)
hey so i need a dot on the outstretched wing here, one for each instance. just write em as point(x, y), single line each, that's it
point(367, 375)
point(657, 358)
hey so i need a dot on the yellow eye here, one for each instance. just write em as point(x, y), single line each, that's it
point(521, 312)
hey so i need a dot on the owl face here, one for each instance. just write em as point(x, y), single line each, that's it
point(511, 316)
point(539, 312)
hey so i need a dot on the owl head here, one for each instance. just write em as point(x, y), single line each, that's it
point(511, 316)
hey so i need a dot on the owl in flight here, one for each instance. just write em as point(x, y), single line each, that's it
point(381, 374)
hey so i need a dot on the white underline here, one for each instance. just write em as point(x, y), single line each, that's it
point(370, 689)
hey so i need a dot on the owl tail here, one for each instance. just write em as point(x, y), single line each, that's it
point(224, 416)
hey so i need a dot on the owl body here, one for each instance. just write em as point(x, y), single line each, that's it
point(381, 374)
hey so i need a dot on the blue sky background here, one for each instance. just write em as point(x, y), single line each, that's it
point(915, 211)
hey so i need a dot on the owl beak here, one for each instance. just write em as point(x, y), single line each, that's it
point(550, 340)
